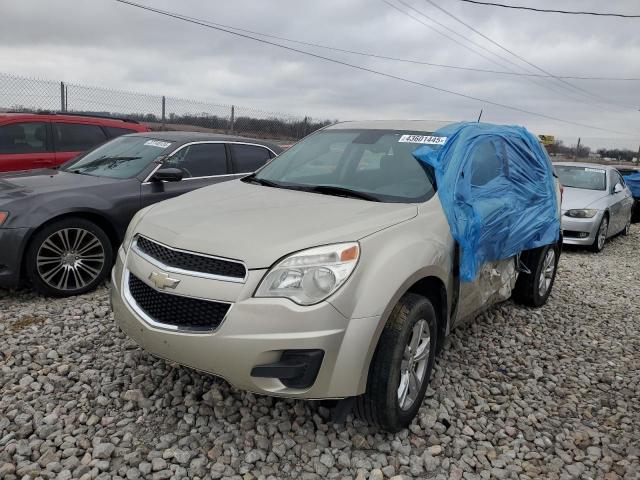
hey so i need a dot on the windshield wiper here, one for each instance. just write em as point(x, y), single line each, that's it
point(261, 181)
point(342, 192)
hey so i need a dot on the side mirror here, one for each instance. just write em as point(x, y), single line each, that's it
point(618, 188)
point(168, 174)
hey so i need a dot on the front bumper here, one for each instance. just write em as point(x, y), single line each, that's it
point(12, 241)
point(254, 332)
point(580, 231)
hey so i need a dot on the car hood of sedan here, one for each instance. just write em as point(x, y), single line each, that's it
point(17, 185)
point(259, 224)
point(581, 198)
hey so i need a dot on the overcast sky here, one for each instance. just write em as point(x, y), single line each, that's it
point(105, 43)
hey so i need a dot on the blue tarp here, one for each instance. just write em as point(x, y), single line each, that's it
point(633, 182)
point(497, 190)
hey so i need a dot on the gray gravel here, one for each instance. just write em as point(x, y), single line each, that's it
point(551, 393)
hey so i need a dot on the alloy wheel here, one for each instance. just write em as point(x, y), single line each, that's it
point(546, 272)
point(70, 259)
point(602, 233)
point(414, 364)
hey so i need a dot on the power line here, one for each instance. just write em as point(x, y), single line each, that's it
point(548, 10)
point(414, 61)
point(567, 92)
point(540, 69)
point(365, 69)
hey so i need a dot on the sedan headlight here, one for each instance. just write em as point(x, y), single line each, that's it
point(581, 213)
point(3, 217)
point(310, 276)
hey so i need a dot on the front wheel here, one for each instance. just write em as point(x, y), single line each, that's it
point(68, 257)
point(401, 366)
point(533, 289)
point(601, 235)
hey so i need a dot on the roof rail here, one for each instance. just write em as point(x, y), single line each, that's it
point(76, 114)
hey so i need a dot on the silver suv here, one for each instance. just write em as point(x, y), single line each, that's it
point(330, 273)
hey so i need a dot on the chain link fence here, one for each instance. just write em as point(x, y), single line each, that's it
point(21, 94)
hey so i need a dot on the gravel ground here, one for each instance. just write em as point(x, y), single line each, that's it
point(519, 393)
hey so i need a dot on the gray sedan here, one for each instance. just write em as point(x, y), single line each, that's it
point(596, 203)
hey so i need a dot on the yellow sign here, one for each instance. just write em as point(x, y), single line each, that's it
point(547, 139)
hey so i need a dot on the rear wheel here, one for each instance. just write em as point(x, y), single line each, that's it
point(401, 366)
point(601, 235)
point(533, 288)
point(68, 257)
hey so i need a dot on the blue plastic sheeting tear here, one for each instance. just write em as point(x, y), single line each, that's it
point(633, 182)
point(497, 190)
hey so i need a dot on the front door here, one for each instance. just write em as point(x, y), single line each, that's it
point(202, 164)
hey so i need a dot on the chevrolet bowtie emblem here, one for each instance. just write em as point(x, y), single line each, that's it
point(163, 280)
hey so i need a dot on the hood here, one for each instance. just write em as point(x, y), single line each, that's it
point(259, 224)
point(581, 197)
point(16, 185)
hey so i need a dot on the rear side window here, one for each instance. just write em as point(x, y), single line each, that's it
point(76, 137)
point(117, 131)
point(24, 137)
point(249, 158)
point(200, 160)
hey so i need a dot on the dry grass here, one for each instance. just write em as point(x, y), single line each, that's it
point(27, 321)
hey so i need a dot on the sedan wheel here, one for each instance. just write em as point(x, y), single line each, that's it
point(68, 257)
point(601, 236)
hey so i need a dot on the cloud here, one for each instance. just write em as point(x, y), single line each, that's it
point(108, 44)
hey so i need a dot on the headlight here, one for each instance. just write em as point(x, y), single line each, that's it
point(581, 213)
point(3, 217)
point(310, 276)
point(128, 236)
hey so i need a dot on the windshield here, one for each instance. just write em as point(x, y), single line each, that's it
point(373, 165)
point(587, 178)
point(122, 157)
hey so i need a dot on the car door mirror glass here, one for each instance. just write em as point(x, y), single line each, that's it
point(168, 174)
point(618, 188)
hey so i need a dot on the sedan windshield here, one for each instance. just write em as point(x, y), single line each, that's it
point(375, 165)
point(587, 178)
point(122, 157)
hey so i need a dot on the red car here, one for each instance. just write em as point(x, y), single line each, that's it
point(45, 140)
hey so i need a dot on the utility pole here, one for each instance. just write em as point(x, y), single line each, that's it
point(232, 119)
point(578, 148)
point(164, 118)
point(62, 99)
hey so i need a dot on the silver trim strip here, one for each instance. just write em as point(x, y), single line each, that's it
point(146, 180)
point(190, 273)
point(165, 326)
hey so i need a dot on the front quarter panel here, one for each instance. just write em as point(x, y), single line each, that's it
point(391, 261)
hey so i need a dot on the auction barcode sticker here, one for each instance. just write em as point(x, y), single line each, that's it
point(426, 139)
point(157, 143)
point(594, 170)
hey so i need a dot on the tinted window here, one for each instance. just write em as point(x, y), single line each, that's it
point(76, 137)
point(27, 137)
point(117, 131)
point(249, 158)
point(200, 160)
point(122, 157)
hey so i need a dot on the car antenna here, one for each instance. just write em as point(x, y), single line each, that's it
point(479, 116)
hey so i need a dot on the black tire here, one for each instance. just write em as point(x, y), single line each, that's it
point(85, 263)
point(380, 404)
point(627, 228)
point(528, 290)
point(598, 244)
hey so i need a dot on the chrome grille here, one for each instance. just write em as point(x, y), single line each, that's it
point(191, 262)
